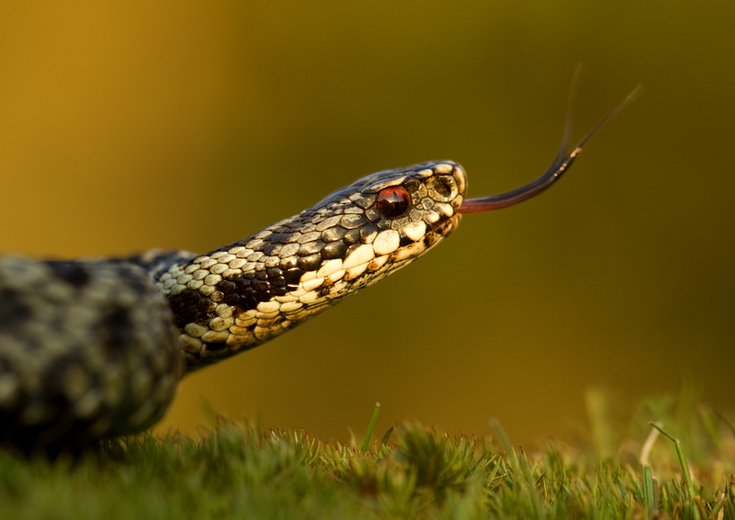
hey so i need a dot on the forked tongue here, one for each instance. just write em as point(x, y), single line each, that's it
point(561, 163)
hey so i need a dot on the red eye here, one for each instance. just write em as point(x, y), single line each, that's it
point(392, 202)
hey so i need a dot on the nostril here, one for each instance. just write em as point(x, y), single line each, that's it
point(442, 187)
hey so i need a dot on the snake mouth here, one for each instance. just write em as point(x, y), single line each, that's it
point(445, 227)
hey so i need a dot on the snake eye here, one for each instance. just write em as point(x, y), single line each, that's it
point(392, 202)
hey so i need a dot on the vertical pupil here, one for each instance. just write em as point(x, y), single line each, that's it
point(392, 202)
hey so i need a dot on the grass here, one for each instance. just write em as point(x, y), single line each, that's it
point(237, 471)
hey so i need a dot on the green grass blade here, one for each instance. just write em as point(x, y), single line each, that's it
point(693, 496)
point(502, 438)
point(371, 427)
point(387, 435)
point(649, 491)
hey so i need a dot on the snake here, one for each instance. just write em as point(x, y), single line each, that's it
point(96, 348)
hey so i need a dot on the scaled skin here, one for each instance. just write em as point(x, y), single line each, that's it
point(91, 349)
point(243, 294)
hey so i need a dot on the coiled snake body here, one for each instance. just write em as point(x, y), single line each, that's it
point(96, 348)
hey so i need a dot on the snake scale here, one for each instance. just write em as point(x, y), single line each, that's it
point(91, 349)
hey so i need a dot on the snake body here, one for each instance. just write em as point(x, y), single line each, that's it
point(91, 349)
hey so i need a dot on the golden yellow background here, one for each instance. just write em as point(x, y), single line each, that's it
point(130, 125)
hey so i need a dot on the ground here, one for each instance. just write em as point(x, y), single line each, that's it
point(235, 470)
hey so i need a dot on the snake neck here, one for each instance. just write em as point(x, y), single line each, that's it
point(241, 295)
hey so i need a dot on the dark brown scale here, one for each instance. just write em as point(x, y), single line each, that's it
point(405, 240)
point(203, 318)
point(384, 224)
point(293, 276)
point(183, 309)
point(310, 263)
point(372, 215)
point(13, 310)
point(278, 281)
point(278, 291)
point(243, 284)
point(272, 249)
point(231, 299)
point(71, 272)
point(334, 250)
point(288, 263)
point(333, 234)
point(206, 305)
point(310, 248)
point(372, 267)
point(259, 286)
point(116, 327)
point(430, 239)
point(368, 231)
point(247, 302)
point(226, 286)
point(262, 296)
point(352, 237)
point(189, 296)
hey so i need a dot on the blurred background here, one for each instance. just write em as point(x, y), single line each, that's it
point(126, 126)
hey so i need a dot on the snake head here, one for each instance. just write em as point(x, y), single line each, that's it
point(241, 295)
point(386, 219)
